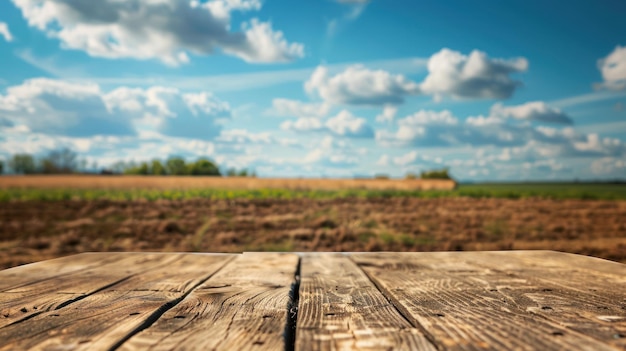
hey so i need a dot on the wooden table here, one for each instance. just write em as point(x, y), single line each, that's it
point(525, 300)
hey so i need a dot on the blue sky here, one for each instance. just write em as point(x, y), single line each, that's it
point(515, 90)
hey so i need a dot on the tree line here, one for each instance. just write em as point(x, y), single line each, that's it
point(66, 161)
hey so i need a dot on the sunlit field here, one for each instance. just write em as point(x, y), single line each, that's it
point(51, 188)
point(45, 217)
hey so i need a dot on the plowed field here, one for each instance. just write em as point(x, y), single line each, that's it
point(36, 230)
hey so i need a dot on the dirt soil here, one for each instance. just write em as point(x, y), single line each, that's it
point(33, 231)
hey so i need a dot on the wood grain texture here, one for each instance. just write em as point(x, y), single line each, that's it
point(585, 294)
point(462, 305)
point(523, 300)
point(13, 278)
point(243, 307)
point(106, 318)
point(340, 309)
point(31, 298)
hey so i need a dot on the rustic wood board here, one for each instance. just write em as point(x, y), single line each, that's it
point(583, 293)
point(13, 278)
point(461, 308)
point(30, 299)
point(340, 309)
point(105, 319)
point(243, 307)
point(526, 300)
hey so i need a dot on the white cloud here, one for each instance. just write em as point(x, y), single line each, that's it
point(356, 9)
point(62, 108)
point(534, 111)
point(243, 138)
point(344, 124)
point(471, 77)
point(358, 85)
point(348, 125)
point(613, 69)
point(304, 124)
point(425, 117)
point(172, 113)
point(332, 153)
point(586, 99)
point(388, 114)
point(58, 107)
point(383, 161)
point(294, 108)
point(167, 30)
point(609, 166)
point(424, 127)
point(5, 33)
point(442, 129)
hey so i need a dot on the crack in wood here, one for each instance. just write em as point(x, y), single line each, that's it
point(152, 318)
point(403, 313)
point(292, 310)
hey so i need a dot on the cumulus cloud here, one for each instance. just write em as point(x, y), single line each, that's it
point(383, 161)
point(476, 76)
point(5, 33)
point(344, 124)
point(172, 113)
point(415, 158)
point(358, 85)
point(348, 125)
point(609, 166)
point(534, 111)
point(429, 128)
point(304, 124)
point(503, 126)
point(167, 30)
point(332, 153)
point(62, 108)
point(613, 69)
point(388, 114)
point(294, 108)
point(58, 107)
point(242, 137)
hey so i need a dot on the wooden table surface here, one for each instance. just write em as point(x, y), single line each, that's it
point(515, 300)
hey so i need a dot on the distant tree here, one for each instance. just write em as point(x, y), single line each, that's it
point(119, 167)
point(157, 168)
point(59, 162)
point(140, 169)
point(410, 176)
point(231, 172)
point(82, 165)
point(204, 167)
point(176, 166)
point(243, 173)
point(436, 174)
point(1, 167)
point(144, 169)
point(23, 164)
point(381, 176)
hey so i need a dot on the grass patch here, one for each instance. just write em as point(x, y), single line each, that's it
point(365, 236)
point(198, 237)
point(509, 191)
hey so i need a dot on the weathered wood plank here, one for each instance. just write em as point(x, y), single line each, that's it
point(340, 309)
point(13, 278)
point(565, 288)
point(455, 302)
point(243, 307)
point(105, 319)
point(30, 299)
